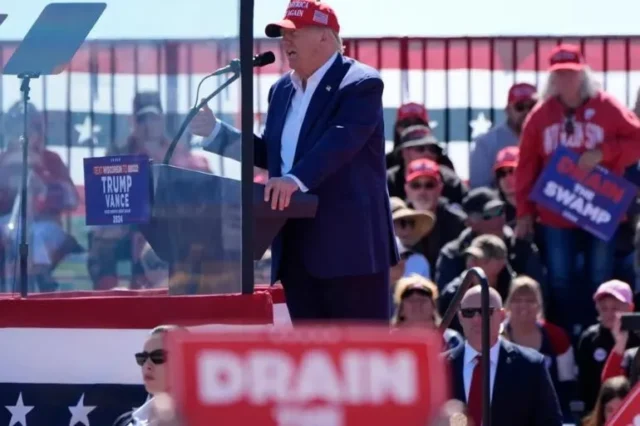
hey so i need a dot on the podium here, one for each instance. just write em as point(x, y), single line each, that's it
point(191, 214)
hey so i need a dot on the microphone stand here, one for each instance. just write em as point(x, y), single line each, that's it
point(192, 113)
point(22, 227)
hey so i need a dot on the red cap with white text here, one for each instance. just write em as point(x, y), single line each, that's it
point(304, 13)
point(566, 57)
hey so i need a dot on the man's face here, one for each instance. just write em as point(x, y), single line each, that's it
point(405, 228)
point(490, 221)
point(608, 307)
point(418, 152)
point(471, 319)
point(517, 112)
point(506, 180)
point(301, 46)
point(150, 127)
point(567, 82)
point(491, 266)
point(423, 192)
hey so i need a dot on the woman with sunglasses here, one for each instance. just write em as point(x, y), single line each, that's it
point(151, 360)
point(575, 114)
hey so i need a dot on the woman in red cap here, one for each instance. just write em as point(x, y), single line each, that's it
point(574, 113)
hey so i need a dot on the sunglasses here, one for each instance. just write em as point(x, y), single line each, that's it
point(504, 172)
point(157, 357)
point(524, 106)
point(406, 223)
point(472, 312)
point(423, 185)
point(489, 214)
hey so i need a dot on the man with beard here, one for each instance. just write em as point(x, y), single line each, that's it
point(521, 99)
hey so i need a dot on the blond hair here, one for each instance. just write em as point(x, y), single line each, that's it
point(525, 284)
point(418, 283)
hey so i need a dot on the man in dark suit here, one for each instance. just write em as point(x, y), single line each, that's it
point(324, 134)
point(521, 389)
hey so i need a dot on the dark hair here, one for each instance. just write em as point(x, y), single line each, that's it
point(615, 387)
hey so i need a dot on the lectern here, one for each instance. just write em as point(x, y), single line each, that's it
point(195, 227)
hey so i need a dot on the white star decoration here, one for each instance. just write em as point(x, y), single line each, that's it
point(80, 413)
point(86, 132)
point(433, 124)
point(479, 126)
point(19, 412)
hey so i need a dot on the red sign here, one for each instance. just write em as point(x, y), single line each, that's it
point(629, 412)
point(309, 376)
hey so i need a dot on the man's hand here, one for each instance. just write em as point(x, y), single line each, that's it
point(524, 227)
point(279, 191)
point(203, 123)
point(620, 337)
point(590, 159)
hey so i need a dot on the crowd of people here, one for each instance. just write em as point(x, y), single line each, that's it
point(563, 288)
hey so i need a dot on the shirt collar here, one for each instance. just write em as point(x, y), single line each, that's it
point(316, 77)
point(470, 353)
point(142, 415)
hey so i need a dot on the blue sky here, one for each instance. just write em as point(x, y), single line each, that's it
point(135, 19)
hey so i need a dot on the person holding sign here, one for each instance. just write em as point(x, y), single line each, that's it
point(576, 115)
point(324, 135)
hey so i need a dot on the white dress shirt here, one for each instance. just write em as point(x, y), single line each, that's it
point(295, 117)
point(470, 362)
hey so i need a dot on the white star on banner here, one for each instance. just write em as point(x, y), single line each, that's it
point(479, 126)
point(86, 132)
point(80, 413)
point(19, 412)
point(433, 124)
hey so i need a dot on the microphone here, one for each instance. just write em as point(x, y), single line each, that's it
point(259, 60)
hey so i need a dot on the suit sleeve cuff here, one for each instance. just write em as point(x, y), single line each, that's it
point(301, 185)
point(214, 134)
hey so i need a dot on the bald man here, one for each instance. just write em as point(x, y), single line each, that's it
point(521, 389)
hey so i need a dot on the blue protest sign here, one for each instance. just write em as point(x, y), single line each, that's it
point(595, 200)
point(117, 190)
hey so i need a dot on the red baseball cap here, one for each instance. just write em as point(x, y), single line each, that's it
point(507, 158)
point(413, 110)
point(566, 57)
point(522, 92)
point(304, 13)
point(422, 167)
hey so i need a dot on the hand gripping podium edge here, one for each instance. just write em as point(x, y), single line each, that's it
point(186, 228)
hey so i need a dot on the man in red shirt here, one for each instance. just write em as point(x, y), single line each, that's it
point(576, 114)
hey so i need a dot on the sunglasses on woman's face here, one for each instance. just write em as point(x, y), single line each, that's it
point(157, 357)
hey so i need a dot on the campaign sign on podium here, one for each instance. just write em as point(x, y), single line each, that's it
point(629, 412)
point(117, 190)
point(595, 200)
point(307, 376)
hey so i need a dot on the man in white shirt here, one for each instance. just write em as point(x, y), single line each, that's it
point(521, 389)
point(324, 134)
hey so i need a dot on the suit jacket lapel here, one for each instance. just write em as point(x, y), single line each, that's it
point(504, 377)
point(322, 95)
point(457, 367)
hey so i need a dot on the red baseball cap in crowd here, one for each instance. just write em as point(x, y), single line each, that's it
point(616, 289)
point(422, 167)
point(566, 57)
point(507, 158)
point(304, 13)
point(522, 92)
point(413, 110)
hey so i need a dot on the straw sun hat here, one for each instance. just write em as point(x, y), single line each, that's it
point(423, 221)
